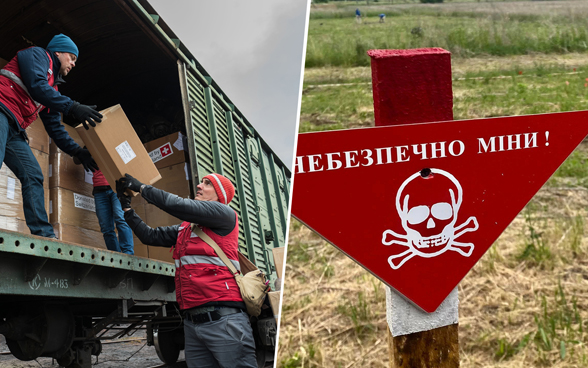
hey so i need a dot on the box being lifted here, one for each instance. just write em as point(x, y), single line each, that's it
point(116, 148)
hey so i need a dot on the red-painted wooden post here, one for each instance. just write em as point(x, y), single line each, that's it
point(411, 87)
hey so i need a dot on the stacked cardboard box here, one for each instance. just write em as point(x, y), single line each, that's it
point(274, 296)
point(168, 155)
point(72, 211)
point(11, 203)
point(117, 150)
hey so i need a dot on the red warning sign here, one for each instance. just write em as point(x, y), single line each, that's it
point(418, 205)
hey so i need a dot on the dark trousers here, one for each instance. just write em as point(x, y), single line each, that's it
point(226, 343)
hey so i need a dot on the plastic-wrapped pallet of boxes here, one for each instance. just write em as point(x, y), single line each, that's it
point(168, 155)
point(11, 209)
point(72, 210)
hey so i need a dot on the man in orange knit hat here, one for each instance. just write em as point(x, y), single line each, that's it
point(216, 326)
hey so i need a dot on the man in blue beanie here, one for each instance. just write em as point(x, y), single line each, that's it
point(28, 87)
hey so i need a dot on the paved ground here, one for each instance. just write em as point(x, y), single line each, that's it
point(130, 354)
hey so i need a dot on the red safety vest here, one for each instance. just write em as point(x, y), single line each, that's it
point(201, 276)
point(14, 95)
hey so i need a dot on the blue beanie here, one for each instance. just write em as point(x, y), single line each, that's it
point(62, 43)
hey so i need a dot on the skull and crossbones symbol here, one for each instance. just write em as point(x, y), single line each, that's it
point(428, 203)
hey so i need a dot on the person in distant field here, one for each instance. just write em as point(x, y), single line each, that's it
point(216, 326)
point(28, 87)
point(110, 213)
point(357, 15)
point(382, 17)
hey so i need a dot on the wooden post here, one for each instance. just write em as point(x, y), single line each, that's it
point(411, 87)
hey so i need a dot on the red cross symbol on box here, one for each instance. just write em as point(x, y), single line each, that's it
point(165, 150)
point(418, 205)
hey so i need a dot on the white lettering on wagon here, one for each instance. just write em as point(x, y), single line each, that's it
point(48, 282)
point(126, 284)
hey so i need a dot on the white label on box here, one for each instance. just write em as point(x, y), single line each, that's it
point(186, 170)
point(10, 188)
point(89, 177)
point(125, 152)
point(161, 152)
point(50, 170)
point(179, 144)
point(84, 202)
point(50, 206)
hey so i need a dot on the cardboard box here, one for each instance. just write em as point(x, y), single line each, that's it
point(117, 149)
point(279, 260)
point(38, 137)
point(71, 208)
point(11, 203)
point(72, 133)
point(140, 249)
point(161, 254)
point(138, 204)
point(173, 180)
point(274, 298)
point(78, 235)
point(167, 151)
point(64, 173)
point(14, 224)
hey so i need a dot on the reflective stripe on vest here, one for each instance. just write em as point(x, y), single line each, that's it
point(186, 260)
point(13, 77)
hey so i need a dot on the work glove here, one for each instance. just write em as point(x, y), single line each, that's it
point(125, 199)
point(85, 114)
point(131, 183)
point(83, 156)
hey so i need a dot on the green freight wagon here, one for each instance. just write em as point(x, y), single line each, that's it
point(60, 300)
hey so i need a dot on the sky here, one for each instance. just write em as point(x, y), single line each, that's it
point(253, 49)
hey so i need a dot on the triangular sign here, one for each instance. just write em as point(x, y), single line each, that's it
point(418, 205)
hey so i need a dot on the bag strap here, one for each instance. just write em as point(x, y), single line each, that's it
point(208, 240)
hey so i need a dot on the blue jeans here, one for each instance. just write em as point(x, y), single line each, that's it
point(109, 213)
point(17, 155)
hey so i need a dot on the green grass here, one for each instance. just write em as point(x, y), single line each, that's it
point(304, 357)
point(559, 326)
point(507, 349)
point(342, 42)
point(536, 250)
point(359, 313)
point(575, 167)
point(540, 89)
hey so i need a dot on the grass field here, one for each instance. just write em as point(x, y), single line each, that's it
point(465, 29)
point(525, 304)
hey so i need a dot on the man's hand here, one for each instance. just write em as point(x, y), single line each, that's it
point(85, 158)
point(132, 183)
point(125, 199)
point(85, 114)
